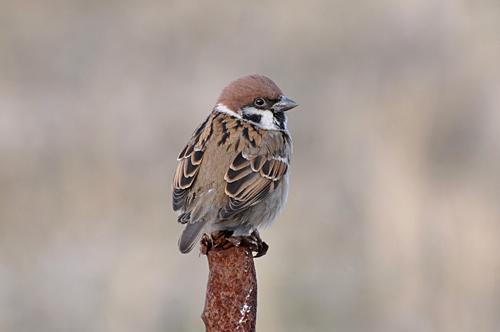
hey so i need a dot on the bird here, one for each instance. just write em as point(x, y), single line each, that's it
point(233, 173)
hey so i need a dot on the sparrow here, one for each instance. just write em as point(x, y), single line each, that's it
point(233, 173)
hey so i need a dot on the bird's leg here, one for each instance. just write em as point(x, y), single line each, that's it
point(206, 243)
point(254, 242)
point(217, 239)
point(225, 240)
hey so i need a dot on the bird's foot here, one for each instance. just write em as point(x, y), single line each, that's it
point(225, 240)
point(254, 242)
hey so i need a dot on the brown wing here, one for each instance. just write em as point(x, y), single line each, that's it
point(250, 179)
point(190, 159)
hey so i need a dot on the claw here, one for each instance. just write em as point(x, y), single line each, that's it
point(225, 240)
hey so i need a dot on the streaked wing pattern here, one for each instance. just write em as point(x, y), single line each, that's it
point(250, 179)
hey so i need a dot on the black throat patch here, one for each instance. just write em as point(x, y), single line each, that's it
point(280, 119)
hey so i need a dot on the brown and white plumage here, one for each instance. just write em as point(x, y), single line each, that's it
point(233, 173)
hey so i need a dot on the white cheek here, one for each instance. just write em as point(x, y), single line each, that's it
point(267, 121)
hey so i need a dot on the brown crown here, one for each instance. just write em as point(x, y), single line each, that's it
point(244, 90)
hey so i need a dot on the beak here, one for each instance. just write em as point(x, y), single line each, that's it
point(284, 105)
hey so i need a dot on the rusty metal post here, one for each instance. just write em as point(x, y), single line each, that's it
point(231, 299)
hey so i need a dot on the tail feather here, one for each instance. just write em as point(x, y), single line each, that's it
point(196, 219)
point(191, 235)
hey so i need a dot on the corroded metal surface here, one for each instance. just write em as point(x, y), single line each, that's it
point(231, 299)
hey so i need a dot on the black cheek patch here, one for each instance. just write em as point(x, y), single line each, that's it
point(252, 117)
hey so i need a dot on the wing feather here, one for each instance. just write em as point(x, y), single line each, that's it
point(250, 178)
point(190, 159)
point(233, 175)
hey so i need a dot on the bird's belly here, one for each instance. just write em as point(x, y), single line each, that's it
point(258, 216)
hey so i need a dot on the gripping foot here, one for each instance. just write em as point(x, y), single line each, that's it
point(224, 240)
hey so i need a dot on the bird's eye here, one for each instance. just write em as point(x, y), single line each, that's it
point(259, 102)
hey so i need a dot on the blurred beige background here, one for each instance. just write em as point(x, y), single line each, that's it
point(393, 218)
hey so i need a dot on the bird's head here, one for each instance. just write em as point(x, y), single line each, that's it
point(256, 99)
